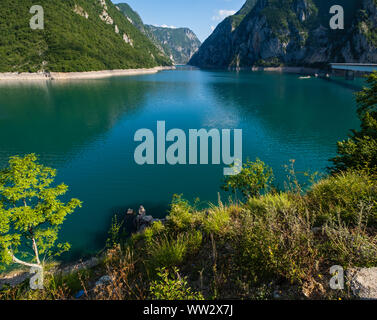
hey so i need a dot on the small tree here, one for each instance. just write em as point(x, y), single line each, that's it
point(30, 212)
point(254, 178)
point(360, 150)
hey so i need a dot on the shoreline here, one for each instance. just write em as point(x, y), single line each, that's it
point(80, 75)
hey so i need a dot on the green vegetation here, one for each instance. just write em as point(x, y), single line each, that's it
point(70, 42)
point(172, 287)
point(30, 212)
point(360, 150)
point(272, 241)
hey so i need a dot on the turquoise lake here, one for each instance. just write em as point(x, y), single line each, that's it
point(85, 129)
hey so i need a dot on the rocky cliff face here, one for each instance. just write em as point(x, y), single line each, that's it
point(291, 33)
point(179, 44)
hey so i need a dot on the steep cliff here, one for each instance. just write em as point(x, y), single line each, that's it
point(179, 44)
point(291, 33)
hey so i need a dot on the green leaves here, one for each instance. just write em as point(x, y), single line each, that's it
point(360, 150)
point(30, 209)
point(254, 178)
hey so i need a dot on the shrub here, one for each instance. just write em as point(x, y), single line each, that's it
point(278, 243)
point(168, 251)
point(264, 204)
point(342, 195)
point(171, 286)
point(182, 215)
point(351, 247)
point(217, 219)
point(254, 178)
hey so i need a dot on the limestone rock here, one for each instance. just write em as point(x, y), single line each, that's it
point(363, 283)
point(80, 11)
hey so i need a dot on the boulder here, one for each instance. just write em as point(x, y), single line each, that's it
point(363, 283)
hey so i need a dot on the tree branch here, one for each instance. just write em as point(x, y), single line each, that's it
point(16, 260)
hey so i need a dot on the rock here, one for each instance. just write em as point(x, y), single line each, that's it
point(251, 38)
point(80, 11)
point(103, 281)
point(127, 39)
point(147, 219)
point(14, 278)
point(363, 283)
point(104, 16)
point(142, 211)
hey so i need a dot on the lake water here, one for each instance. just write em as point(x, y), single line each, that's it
point(85, 129)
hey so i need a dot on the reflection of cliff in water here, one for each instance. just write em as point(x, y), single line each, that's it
point(60, 117)
point(282, 107)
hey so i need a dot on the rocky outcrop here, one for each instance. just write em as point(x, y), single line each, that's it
point(268, 34)
point(180, 44)
point(80, 11)
point(363, 283)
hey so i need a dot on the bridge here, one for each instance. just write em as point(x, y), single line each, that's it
point(351, 68)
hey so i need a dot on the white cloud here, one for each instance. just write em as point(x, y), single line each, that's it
point(165, 26)
point(222, 14)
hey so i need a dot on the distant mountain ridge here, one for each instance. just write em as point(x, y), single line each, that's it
point(180, 44)
point(79, 35)
point(275, 33)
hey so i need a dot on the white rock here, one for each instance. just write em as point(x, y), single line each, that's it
point(363, 283)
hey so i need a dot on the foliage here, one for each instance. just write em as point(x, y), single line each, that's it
point(182, 214)
point(217, 219)
point(343, 196)
point(254, 178)
point(169, 251)
point(171, 286)
point(70, 42)
point(360, 150)
point(30, 212)
point(114, 238)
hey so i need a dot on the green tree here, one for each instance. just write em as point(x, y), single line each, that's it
point(253, 178)
point(30, 212)
point(360, 149)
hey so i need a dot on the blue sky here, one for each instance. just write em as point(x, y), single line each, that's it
point(199, 15)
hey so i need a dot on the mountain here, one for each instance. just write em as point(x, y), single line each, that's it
point(79, 35)
point(291, 33)
point(179, 44)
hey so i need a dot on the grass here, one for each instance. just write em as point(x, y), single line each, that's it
point(277, 242)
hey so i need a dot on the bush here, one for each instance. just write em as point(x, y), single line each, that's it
point(277, 243)
point(171, 286)
point(182, 215)
point(254, 178)
point(263, 204)
point(217, 220)
point(168, 251)
point(343, 195)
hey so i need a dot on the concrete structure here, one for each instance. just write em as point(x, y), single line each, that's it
point(349, 70)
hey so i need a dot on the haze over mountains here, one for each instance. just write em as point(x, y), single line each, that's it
point(274, 33)
point(179, 44)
